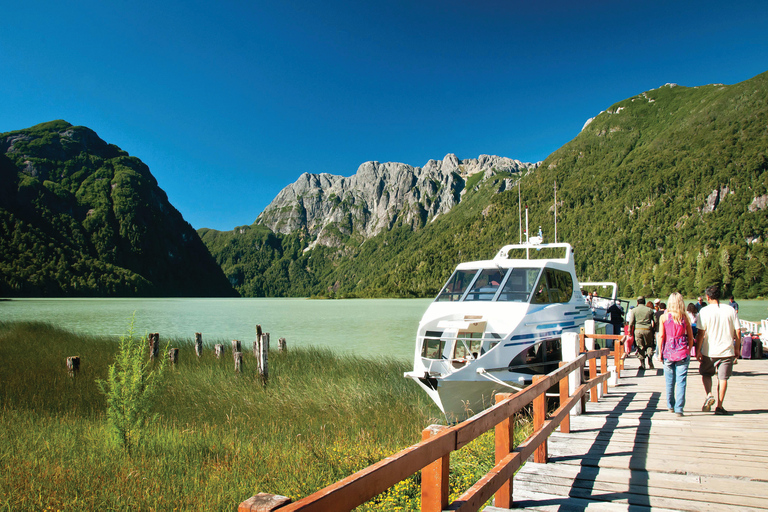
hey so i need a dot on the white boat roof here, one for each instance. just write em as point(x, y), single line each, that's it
point(502, 259)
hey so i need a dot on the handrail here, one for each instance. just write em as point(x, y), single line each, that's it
point(431, 455)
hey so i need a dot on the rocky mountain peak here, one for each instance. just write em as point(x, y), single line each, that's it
point(377, 197)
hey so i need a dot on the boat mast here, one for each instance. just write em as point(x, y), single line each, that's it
point(519, 212)
point(527, 254)
point(555, 211)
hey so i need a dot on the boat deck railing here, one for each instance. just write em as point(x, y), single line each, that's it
point(432, 455)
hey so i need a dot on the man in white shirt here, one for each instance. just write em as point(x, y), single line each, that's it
point(717, 344)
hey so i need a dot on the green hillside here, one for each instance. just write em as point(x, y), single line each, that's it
point(665, 191)
point(80, 217)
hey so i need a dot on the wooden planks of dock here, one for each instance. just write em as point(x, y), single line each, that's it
point(628, 452)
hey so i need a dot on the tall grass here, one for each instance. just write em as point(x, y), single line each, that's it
point(221, 436)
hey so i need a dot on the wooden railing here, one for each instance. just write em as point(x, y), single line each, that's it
point(432, 455)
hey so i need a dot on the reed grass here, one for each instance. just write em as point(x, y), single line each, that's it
point(221, 436)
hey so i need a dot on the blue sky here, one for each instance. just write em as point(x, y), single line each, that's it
point(228, 102)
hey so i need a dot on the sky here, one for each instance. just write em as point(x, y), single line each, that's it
point(228, 102)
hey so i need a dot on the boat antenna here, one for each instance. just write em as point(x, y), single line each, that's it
point(555, 211)
point(527, 255)
point(519, 212)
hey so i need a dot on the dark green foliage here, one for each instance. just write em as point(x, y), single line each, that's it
point(633, 190)
point(79, 217)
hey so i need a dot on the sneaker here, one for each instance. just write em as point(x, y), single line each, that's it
point(708, 402)
point(680, 415)
point(721, 411)
point(671, 410)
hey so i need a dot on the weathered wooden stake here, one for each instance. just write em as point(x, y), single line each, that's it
point(73, 365)
point(238, 362)
point(198, 344)
point(173, 355)
point(218, 349)
point(263, 363)
point(235, 347)
point(281, 345)
point(154, 344)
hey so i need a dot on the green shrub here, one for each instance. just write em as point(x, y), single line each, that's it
point(131, 389)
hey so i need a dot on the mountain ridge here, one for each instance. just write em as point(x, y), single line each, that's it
point(377, 197)
point(81, 217)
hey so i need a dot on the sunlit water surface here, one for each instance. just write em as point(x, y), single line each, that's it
point(365, 327)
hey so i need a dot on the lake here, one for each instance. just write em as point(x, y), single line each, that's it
point(365, 327)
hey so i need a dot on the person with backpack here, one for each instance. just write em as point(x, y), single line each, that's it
point(675, 342)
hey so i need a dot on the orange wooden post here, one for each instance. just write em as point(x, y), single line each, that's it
point(504, 444)
point(592, 375)
point(582, 341)
point(434, 477)
point(539, 416)
point(565, 425)
point(604, 369)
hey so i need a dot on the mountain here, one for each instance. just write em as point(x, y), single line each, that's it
point(665, 191)
point(80, 217)
point(378, 197)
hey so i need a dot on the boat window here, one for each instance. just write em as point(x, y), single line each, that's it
point(456, 286)
point(519, 285)
point(540, 358)
point(554, 286)
point(486, 284)
point(468, 344)
point(432, 347)
point(560, 285)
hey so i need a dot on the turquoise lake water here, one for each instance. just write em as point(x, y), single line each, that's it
point(365, 327)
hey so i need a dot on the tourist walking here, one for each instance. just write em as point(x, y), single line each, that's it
point(717, 343)
point(643, 321)
point(675, 342)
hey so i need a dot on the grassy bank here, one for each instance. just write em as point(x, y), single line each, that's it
point(220, 437)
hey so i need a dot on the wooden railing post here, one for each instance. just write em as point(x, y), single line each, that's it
point(582, 341)
point(504, 444)
point(434, 477)
point(592, 375)
point(539, 416)
point(565, 425)
point(618, 350)
point(604, 369)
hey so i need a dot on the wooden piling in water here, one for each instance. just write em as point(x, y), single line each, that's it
point(236, 347)
point(218, 349)
point(173, 355)
point(262, 358)
point(281, 345)
point(73, 365)
point(154, 344)
point(238, 356)
point(198, 344)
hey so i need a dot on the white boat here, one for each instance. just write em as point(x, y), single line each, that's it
point(495, 324)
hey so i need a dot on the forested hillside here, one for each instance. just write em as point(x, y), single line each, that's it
point(664, 191)
point(80, 217)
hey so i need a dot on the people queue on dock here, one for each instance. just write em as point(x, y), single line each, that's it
point(706, 330)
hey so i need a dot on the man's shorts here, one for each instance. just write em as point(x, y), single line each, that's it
point(722, 366)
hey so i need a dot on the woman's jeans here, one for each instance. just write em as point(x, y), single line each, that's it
point(676, 374)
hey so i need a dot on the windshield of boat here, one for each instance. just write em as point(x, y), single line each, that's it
point(483, 285)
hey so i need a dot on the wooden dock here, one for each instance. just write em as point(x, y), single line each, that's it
point(629, 453)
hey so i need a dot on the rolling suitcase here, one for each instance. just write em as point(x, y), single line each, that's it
point(757, 347)
point(746, 347)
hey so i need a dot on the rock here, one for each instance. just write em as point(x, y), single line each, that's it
point(378, 197)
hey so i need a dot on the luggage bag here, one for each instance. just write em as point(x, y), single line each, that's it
point(746, 347)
